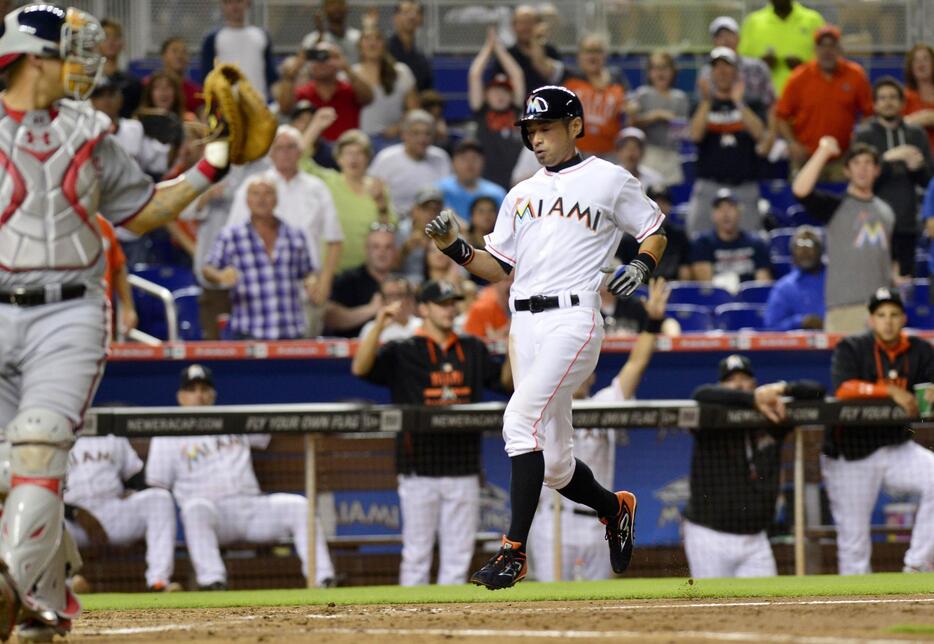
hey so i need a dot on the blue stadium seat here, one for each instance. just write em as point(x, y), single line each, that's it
point(186, 306)
point(921, 316)
point(754, 292)
point(919, 293)
point(691, 317)
point(699, 294)
point(781, 266)
point(778, 193)
point(171, 277)
point(740, 316)
point(922, 269)
point(779, 240)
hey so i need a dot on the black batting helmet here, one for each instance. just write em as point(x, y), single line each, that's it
point(550, 103)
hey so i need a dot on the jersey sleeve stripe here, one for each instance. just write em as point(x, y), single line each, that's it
point(492, 251)
point(655, 225)
point(126, 220)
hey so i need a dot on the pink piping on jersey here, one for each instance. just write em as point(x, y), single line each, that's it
point(573, 168)
point(126, 220)
point(593, 317)
point(492, 249)
point(659, 218)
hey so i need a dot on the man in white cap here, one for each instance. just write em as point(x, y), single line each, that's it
point(630, 149)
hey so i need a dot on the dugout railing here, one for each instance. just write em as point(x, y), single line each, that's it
point(318, 424)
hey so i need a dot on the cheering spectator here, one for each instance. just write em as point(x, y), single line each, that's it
point(488, 315)
point(796, 301)
point(265, 262)
point(906, 166)
point(675, 264)
point(859, 232)
point(304, 203)
point(780, 34)
point(630, 150)
point(540, 61)
point(396, 288)
point(247, 46)
point(824, 97)
point(919, 89)
point(174, 54)
point(728, 254)
point(467, 183)
point(433, 103)
point(327, 89)
point(163, 91)
point(111, 48)
point(408, 166)
point(115, 279)
point(726, 131)
point(411, 238)
point(661, 111)
point(393, 87)
point(405, 22)
point(355, 299)
point(494, 106)
point(360, 200)
point(483, 211)
point(335, 29)
point(757, 79)
point(602, 94)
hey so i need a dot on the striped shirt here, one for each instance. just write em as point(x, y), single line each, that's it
point(267, 299)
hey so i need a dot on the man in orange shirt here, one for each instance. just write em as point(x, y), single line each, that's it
point(488, 316)
point(823, 97)
point(115, 277)
point(602, 94)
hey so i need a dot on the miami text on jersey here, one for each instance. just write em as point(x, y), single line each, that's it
point(525, 206)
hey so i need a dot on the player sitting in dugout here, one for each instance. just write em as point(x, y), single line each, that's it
point(735, 475)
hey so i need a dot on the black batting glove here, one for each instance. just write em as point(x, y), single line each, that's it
point(627, 279)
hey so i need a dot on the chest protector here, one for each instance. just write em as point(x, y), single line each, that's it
point(49, 188)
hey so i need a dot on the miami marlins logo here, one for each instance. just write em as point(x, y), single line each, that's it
point(871, 233)
point(536, 105)
point(535, 209)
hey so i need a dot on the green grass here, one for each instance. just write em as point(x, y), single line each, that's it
point(912, 629)
point(669, 588)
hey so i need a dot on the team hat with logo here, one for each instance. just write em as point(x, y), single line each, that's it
point(550, 103)
point(196, 373)
point(438, 292)
point(735, 364)
point(885, 295)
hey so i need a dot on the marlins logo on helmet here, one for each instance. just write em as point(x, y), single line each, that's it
point(550, 103)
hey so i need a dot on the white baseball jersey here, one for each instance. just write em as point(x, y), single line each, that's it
point(97, 468)
point(558, 229)
point(207, 467)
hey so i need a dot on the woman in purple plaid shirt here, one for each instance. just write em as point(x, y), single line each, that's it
point(265, 263)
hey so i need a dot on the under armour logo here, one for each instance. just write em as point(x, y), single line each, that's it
point(536, 105)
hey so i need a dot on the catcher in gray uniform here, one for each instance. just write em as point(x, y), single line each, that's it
point(59, 168)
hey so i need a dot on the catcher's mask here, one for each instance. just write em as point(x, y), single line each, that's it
point(71, 35)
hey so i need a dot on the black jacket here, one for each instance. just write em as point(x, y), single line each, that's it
point(735, 472)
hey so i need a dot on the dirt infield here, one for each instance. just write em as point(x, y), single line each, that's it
point(803, 620)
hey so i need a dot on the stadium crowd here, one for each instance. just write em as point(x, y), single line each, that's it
point(364, 158)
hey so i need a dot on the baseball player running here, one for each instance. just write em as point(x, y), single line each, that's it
point(582, 549)
point(558, 231)
point(105, 478)
point(60, 166)
point(213, 481)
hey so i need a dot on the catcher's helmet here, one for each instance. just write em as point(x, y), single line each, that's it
point(550, 103)
point(50, 31)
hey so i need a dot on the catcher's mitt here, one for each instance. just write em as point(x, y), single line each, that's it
point(236, 111)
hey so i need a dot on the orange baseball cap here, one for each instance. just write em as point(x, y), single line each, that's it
point(827, 30)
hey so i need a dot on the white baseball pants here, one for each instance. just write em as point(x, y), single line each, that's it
point(267, 518)
point(712, 553)
point(446, 506)
point(853, 487)
point(551, 353)
point(584, 554)
point(148, 513)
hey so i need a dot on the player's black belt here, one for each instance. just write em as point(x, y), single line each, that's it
point(39, 296)
point(539, 303)
point(585, 513)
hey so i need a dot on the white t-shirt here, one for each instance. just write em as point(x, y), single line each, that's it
point(245, 47)
point(405, 176)
point(305, 203)
point(206, 467)
point(97, 468)
point(558, 229)
point(386, 109)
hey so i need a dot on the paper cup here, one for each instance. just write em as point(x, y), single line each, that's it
point(924, 393)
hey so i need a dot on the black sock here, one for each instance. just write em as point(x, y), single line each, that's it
point(583, 488)
point(525, 486)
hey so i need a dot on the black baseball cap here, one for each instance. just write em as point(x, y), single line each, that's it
point(659, 192)
point(885, 295)
point(467, 145)
point(438, 292)
point(196, 373)
point(735, 364)
point(723, 194)
point(301, 107)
